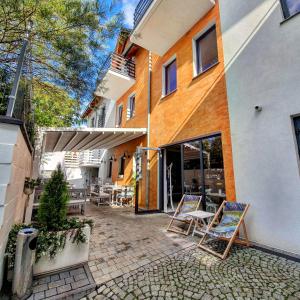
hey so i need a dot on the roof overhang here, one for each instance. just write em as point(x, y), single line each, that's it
point(79, 139)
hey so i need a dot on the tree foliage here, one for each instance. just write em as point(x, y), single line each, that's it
point(54, 107)
point(68, 40)
point(52, 212)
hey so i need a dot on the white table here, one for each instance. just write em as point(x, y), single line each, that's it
point(199, 217)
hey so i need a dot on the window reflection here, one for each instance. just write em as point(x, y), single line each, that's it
point(213, 165)
point(191, 168)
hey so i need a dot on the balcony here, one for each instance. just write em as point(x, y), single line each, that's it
point(159, 24)
point(90, 158)
point(118, 76)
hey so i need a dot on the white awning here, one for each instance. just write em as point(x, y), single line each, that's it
point(79, 139)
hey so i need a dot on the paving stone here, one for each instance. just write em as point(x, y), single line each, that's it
point(77, 271)
point(38, 296)
point(40, 288)
point(63, 275)
point(56, 283)
point(64, 288)
point(69, 280)
point(51, 292)
point(80, 277)
point(79, 284)
point(54, 277)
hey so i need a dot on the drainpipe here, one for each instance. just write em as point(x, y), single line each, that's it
point(148, 128)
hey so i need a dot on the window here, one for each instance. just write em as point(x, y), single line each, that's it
point(109, 171)
point(206, 49)
point(93, 122)
point(131, 107)
point(101, 119)
point(297, 131)
point(170, 77)
point(290, 7)
point(120, 113)
point(121, 166)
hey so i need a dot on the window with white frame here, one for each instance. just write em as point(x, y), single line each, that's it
point(290, 8)
point(205, 50)
point(101, 118)
point(131, 107)
point(169, 77)
point(119, 115)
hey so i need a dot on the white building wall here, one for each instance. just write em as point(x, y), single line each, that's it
point(262, 58)
point(110, 119)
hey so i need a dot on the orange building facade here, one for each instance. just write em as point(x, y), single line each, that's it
point(187, 118)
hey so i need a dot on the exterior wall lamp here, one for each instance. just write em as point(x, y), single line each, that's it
point(112, 158)
point(125, 155)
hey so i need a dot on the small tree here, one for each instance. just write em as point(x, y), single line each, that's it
point(52, 211)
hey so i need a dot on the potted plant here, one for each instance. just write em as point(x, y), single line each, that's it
point(62, 241)
point(30, 184)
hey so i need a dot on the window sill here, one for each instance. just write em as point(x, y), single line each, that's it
point(290, 17)
point(208, 69)
point(166, 96)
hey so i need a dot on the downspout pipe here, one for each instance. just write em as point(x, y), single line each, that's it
point(148, 128)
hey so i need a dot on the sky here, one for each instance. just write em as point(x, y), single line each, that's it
point(128, 7)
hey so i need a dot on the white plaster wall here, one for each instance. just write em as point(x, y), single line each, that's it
point(263, 68)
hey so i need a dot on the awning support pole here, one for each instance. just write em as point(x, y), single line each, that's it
point(148, 130)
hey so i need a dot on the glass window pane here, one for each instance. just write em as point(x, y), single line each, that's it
point(291, 7)
point(171, 77)
point(192, 175)
point(132, 106)
point(120, 112)
point(207, 50)
point(213, 172)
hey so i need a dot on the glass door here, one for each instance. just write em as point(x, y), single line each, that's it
point(192, 183)
point(213, 172)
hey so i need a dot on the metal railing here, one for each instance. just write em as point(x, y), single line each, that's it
point(71, 160)
point(140, 11)
point(119, 64)
point(90, 158)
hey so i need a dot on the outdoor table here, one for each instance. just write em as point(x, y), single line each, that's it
point(199, 217)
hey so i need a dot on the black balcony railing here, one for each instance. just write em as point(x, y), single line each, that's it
point(119, 64)
point(140, 11)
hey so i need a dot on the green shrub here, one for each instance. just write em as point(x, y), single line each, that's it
point(52, 212)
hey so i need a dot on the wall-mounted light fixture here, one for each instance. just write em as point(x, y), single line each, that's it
point(112, 158)
point(126, 155)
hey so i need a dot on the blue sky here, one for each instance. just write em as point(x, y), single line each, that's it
point(128, 7)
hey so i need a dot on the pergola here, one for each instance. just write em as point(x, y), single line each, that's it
point(80, 139)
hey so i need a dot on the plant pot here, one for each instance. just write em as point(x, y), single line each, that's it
point(72, 254)
point(28, 191)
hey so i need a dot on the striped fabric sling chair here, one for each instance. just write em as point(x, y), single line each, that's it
point(188, 203)
point(228, 228)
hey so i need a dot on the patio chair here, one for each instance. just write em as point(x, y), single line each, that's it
point(228, 228)
point(188, 203)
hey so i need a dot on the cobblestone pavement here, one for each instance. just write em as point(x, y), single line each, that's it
point(194, 274)
point(122, 241)
point(68, 284)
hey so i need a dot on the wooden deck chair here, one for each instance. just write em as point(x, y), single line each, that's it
point(188, 203)
point(228, 228)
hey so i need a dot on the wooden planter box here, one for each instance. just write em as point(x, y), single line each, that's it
point(72, 254)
